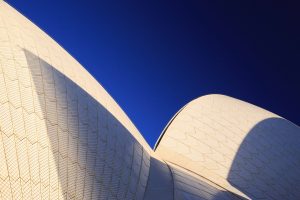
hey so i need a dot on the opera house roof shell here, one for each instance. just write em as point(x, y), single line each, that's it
point(62, 136)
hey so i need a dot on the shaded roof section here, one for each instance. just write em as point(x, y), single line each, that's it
point(59, 125)
point(224, 139)
point(46, 48)
point(62, 136)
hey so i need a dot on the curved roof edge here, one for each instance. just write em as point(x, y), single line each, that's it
point(176, 114)
point(203, 96)
point(167, 126)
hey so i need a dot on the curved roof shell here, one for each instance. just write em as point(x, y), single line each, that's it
point(62, 136)
point(241, 147)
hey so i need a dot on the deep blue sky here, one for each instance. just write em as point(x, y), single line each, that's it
point(153, 57)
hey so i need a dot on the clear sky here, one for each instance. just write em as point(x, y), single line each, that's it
point(153, 57)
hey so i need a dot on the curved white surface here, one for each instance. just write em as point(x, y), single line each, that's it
point(243, 148)
point(61, 135)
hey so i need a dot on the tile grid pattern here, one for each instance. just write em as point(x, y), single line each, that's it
point(218, 137)
point(63, 137)
point(56, 140)
point(188, 185)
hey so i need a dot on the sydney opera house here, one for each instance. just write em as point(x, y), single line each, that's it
point(62, 136)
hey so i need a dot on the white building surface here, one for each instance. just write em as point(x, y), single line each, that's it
point(62, 136)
